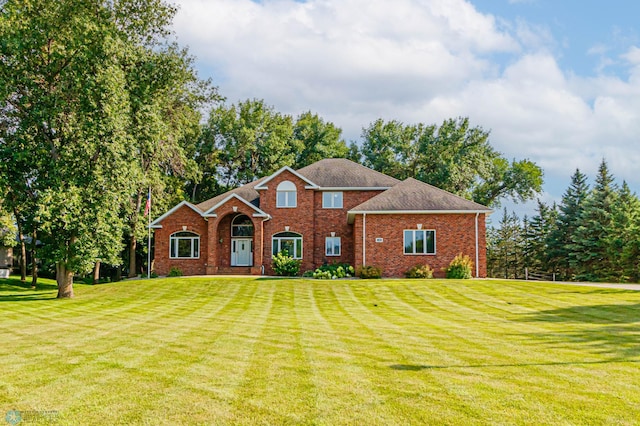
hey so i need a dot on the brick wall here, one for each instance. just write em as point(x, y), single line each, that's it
point(455, 233)
point(184, 216)
point(327, 221)
point(299, 219)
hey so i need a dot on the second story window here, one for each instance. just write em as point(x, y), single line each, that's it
point(286, 195)
point(331, 200)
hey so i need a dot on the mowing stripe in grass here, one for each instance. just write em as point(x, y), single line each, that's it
point(277, 367)
point(348, 394)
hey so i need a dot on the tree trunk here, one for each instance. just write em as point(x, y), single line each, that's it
point(64, 277)
point(132, 257)
point(23, 259)
point(34, 261)
point(133, 224)
point(23, 250)
point(96, 272)
point(193, 193)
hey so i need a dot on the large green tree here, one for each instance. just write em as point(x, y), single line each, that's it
point(165, 95)
point(251, 140)
point(316, 139)
point(391, 148)
point(244, 142)
point(67, 120)
point(454, 156)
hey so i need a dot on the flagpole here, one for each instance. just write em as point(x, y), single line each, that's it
point(149, 236)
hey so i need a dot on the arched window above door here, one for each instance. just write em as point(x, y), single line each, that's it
point(241, 226)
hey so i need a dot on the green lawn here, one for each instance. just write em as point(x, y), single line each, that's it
point(272, 351)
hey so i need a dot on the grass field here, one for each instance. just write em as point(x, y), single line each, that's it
point(272, 351)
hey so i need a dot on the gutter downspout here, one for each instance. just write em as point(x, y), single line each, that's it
point(364, 239)
point(262, 236)
point(477, 244)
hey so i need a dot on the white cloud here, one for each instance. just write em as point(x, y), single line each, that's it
point(282, 50)
point(353, 61)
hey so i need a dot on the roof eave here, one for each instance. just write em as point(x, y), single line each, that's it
point(353, 188)
point(156, 223)
point(352, 213)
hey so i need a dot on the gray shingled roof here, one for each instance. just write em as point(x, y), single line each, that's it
point(343, 173)
point(247, 192)
point(414, 195)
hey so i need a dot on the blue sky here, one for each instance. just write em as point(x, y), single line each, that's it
point(590, 35)
point(557, 82)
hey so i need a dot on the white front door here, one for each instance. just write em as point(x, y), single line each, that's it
point(241, 253)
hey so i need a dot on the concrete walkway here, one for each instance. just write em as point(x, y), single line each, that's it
point(602, 285)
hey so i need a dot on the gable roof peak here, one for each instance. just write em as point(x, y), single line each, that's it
point(262, 184)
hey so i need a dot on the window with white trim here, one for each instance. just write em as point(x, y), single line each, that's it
point(331, 200)
point(290, 242)
point(286, 194)
point(184, 245)
point(332, 246)
point(419, 241)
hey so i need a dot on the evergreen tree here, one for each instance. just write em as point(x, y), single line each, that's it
point(505, 248)
point(560, 237)
point(623, 238)
point(537, 237)
point(589, 248)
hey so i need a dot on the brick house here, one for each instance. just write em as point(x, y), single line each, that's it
point(334, 210)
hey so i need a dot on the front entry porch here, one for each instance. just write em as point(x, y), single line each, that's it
point(236, 244)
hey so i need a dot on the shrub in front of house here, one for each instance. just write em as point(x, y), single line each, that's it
point(175, 272)
point(334, 271)
point(460, 267)
point(285, 265)
point(370, 272)
point(420, 271)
